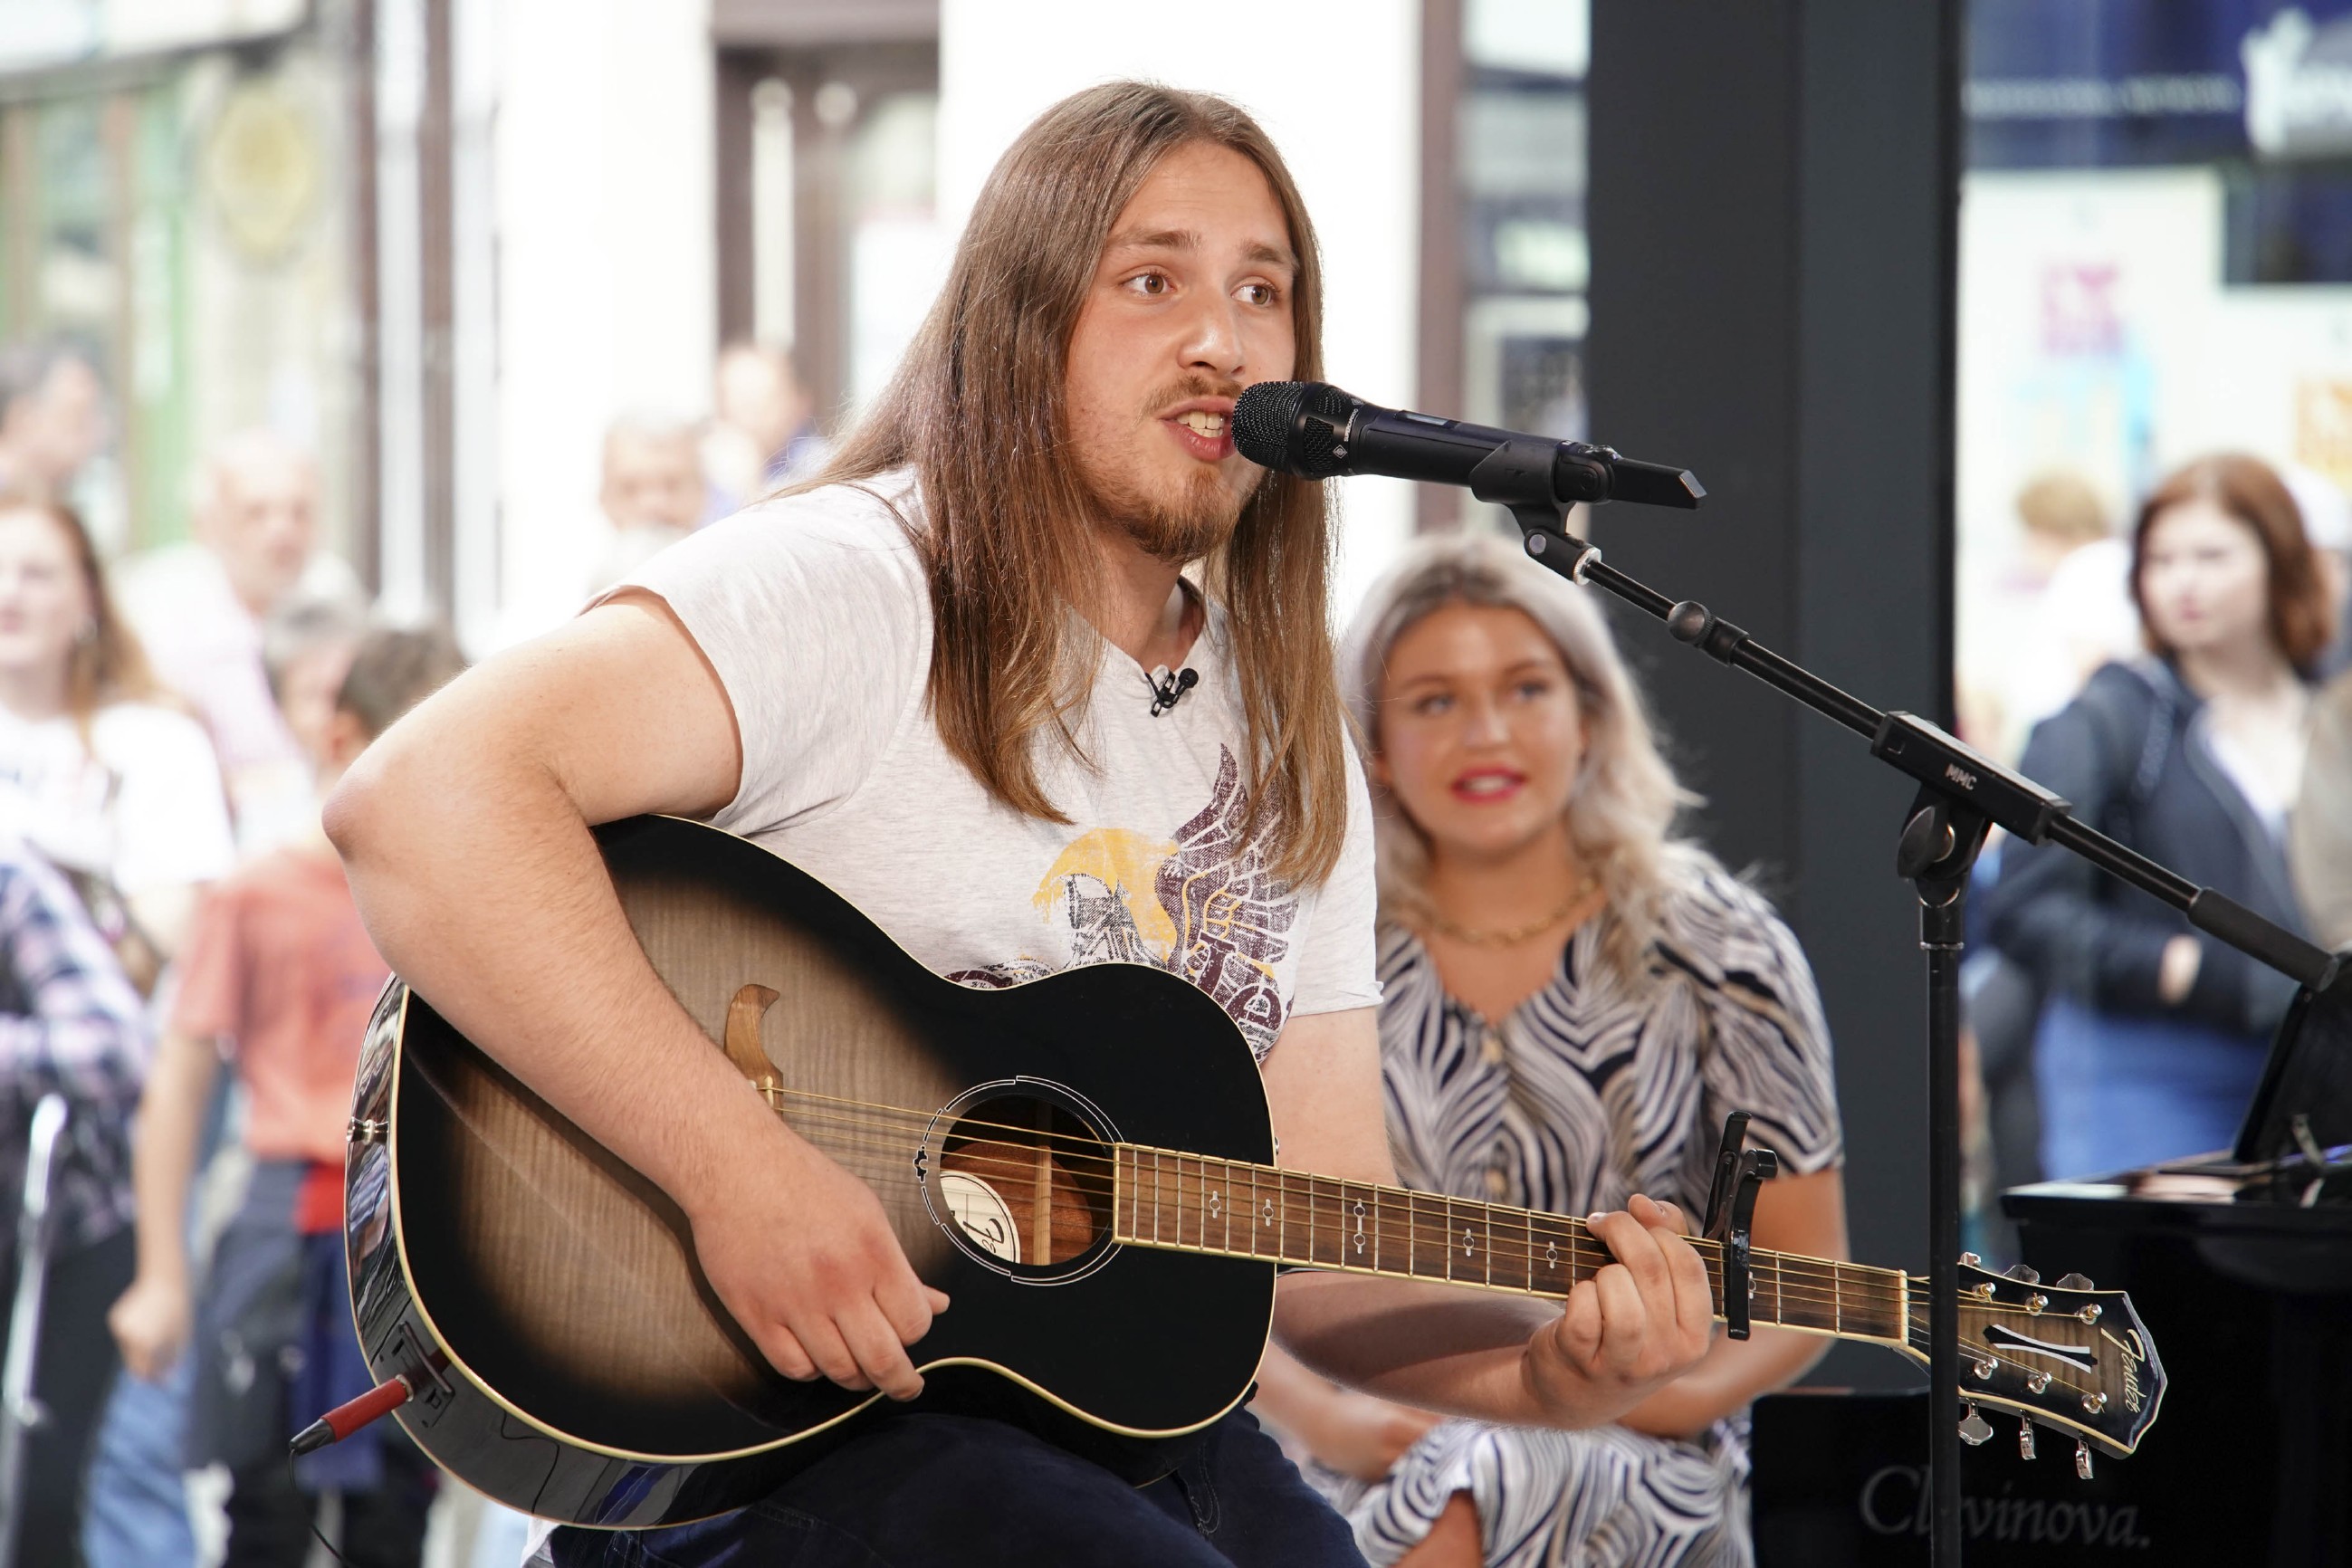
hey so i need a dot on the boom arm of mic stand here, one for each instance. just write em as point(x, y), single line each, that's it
point(1935, 757)
point(1961, 794)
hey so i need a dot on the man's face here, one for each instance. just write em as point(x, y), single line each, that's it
point(1189, 304)
point(263, 524)
point(652, 481)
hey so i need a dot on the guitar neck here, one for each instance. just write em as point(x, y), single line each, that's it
point(1189, 1202)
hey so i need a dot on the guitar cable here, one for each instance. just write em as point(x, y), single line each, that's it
point(351, 1416)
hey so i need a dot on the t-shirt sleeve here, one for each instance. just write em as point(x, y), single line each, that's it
point(1769, 1053)
point(1339, 968)
point(209, 1002)
point(171, 815)
point(815, 612)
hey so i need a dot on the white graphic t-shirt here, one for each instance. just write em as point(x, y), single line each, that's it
point(815, 614)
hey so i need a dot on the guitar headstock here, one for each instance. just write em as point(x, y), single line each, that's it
point(2065, 1355)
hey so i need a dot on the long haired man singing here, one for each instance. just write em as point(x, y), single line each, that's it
point(927, 680)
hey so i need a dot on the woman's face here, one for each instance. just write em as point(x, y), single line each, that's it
point(44, 603)
point(2204, 583)
point(1480, 732)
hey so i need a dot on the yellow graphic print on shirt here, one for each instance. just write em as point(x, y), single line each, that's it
point(1197, 904)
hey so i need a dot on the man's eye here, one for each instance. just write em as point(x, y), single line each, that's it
point(1260, 293)
point(1152, 283)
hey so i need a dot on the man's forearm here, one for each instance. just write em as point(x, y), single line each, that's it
point(482, 885)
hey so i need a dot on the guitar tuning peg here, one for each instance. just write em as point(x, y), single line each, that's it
point(2082, 1460)
point(2075, 1282)
point(2023, 1274)
point(2025, 1439)
point(1970, 1260)
point(1974, 1428)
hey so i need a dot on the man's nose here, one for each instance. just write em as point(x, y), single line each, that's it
point(1213, 339)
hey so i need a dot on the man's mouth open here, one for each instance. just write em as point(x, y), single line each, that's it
point(1202, 433)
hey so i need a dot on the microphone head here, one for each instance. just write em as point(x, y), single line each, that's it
point(1291, 426)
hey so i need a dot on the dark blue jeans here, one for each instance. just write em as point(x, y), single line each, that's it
point(959, 1491)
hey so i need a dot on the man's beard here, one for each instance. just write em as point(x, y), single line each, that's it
point(1174, 529)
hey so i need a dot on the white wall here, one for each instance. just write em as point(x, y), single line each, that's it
point(607, 269)
point(1338, 88)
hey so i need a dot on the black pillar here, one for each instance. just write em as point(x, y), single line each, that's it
point(1773, 215)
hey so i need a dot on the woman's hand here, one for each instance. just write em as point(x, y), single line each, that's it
point(2176, 972)
point(1358, 1434)
point(1362, 1436)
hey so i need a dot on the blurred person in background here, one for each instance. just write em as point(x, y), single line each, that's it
point(118, 789)
point(651, 495)
point(763, 433)
point(52, 419)
point(2327, 523)
point(70, 1025)
point(1573, 1002)
point(2319, 842)
point(281, 979)
point(305, 651)
point(2152, 1035)
point(2073, 575)
point(138, 1516)
point(201, 609)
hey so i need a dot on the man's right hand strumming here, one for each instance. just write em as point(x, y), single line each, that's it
point(507, 767)
point(808, 1265)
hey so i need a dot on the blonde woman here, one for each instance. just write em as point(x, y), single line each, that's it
point(1574, 1000)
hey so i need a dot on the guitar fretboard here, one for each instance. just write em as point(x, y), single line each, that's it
point(1188, 1203)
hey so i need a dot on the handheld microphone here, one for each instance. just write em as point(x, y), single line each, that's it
point(1315, 431)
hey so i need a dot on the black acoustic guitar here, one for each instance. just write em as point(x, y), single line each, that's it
point(1085, 1164)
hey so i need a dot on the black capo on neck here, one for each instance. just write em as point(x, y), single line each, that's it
point(1730, 1208)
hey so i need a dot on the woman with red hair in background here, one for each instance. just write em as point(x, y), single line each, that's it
point(2154, 1034)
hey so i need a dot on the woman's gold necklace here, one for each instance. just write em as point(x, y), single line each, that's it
point(1510, 935)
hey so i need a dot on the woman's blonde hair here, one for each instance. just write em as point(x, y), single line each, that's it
point(1622, 810)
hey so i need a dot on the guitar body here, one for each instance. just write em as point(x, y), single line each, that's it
point(583, 1368)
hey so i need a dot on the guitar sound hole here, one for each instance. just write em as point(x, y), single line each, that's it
point(1023, 1184)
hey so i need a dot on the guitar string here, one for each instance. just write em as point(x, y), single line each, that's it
point(1871, 1284)
point(1849, 1283)
point(1204, 1221)
point(1872, 1280)
point(1805, 1284)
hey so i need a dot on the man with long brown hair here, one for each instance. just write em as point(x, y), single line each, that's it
point(937, 680)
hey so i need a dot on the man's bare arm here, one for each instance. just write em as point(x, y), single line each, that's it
point(464, 831)
point(1637, 1323)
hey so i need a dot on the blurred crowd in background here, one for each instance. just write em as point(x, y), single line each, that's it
point(337, 337)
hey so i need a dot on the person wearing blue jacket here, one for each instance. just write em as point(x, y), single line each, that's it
point(2154, 1035)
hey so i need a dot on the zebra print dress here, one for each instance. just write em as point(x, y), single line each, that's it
point(1590, 1091)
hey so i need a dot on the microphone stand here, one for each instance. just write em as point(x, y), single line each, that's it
point(1962, 795)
